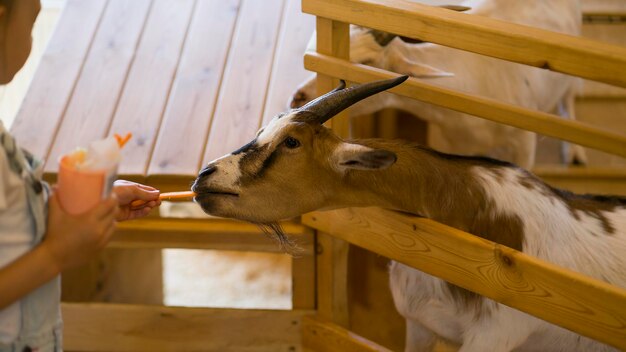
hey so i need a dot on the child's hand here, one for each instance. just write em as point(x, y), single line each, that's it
point(127, 192)
point(74, 240)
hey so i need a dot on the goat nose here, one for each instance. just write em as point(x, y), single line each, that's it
point(207, 171)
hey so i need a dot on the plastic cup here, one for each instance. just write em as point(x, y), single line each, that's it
point(81, 190)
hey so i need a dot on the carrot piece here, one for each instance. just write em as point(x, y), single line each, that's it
point(121, 141)
point(177, 195)
point(165, 196)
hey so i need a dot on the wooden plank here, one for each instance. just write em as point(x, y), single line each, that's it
point(95, 98)
point(603, 7)
point(116, 275)
point(53, 84)
point(609, 113)
point(594, 180)
point(536, 121)
point(373, 313)
point(332, 279)
point(482, 35)
point(149, 81)
point(577, 302)
point(242, 95)
point(116, 327)
point(288, 70)
point(194, 94)
point(614, 33)
point(333, 39)
point(323, 336)
point(303, 275)
point(221, 234)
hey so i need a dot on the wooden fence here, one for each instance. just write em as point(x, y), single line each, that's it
point(579, 303)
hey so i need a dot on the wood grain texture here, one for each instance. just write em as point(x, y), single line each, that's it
point(116, 327)
point(149, 81)
point(323, 336)
point(603, 7)
point(614, 33)
point(579, 303)
point(610, 113)
point(593, 180)
point(53, 84)
point(242, 95)
point(487, 36)
point(333, 39)
point(332, 279)
point(221, 234)
point(98, 89)
point(536, 121)
point(181, 141)
point(288, 70)
point(303, 278)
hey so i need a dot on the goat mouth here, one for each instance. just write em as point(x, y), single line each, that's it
point(207, 194)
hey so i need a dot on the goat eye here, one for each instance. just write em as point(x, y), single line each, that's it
point(292, 143)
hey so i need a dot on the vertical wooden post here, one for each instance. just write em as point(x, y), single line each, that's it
point(303, 280)
point(333, 38)
point(332, 279)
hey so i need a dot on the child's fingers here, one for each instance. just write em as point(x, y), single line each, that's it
point(140, 204)
point(147, 188)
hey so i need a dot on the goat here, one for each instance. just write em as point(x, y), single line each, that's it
point(296, 165)
point(455, 69)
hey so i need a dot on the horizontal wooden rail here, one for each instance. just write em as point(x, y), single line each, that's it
point(540, 122)
point(221, 234)
point(117, 327)
point(579, 303)
point(513, 42)
point(603, 7)
point(592, 180)
point(322, 336)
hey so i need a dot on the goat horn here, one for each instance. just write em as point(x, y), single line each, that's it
point(339, 99)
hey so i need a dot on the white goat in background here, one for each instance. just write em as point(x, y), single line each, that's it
point(296, 165)
point(503, 81)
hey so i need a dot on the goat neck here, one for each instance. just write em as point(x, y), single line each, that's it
point(435, 185)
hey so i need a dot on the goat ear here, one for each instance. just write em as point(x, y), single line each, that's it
point(400, 64)
point(356, 156)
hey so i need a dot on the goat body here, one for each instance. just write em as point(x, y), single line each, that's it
point(455, 69)
point(296, 165)
point(507, 205)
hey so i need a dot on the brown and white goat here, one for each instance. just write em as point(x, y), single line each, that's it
point(504, 81)
point(296, 165)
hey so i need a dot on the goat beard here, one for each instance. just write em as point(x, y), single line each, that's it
point(276, 232)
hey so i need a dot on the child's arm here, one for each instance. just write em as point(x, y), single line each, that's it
point(69, 242)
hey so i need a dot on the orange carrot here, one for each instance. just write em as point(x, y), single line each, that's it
point(123, 140)
point(165, 196)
